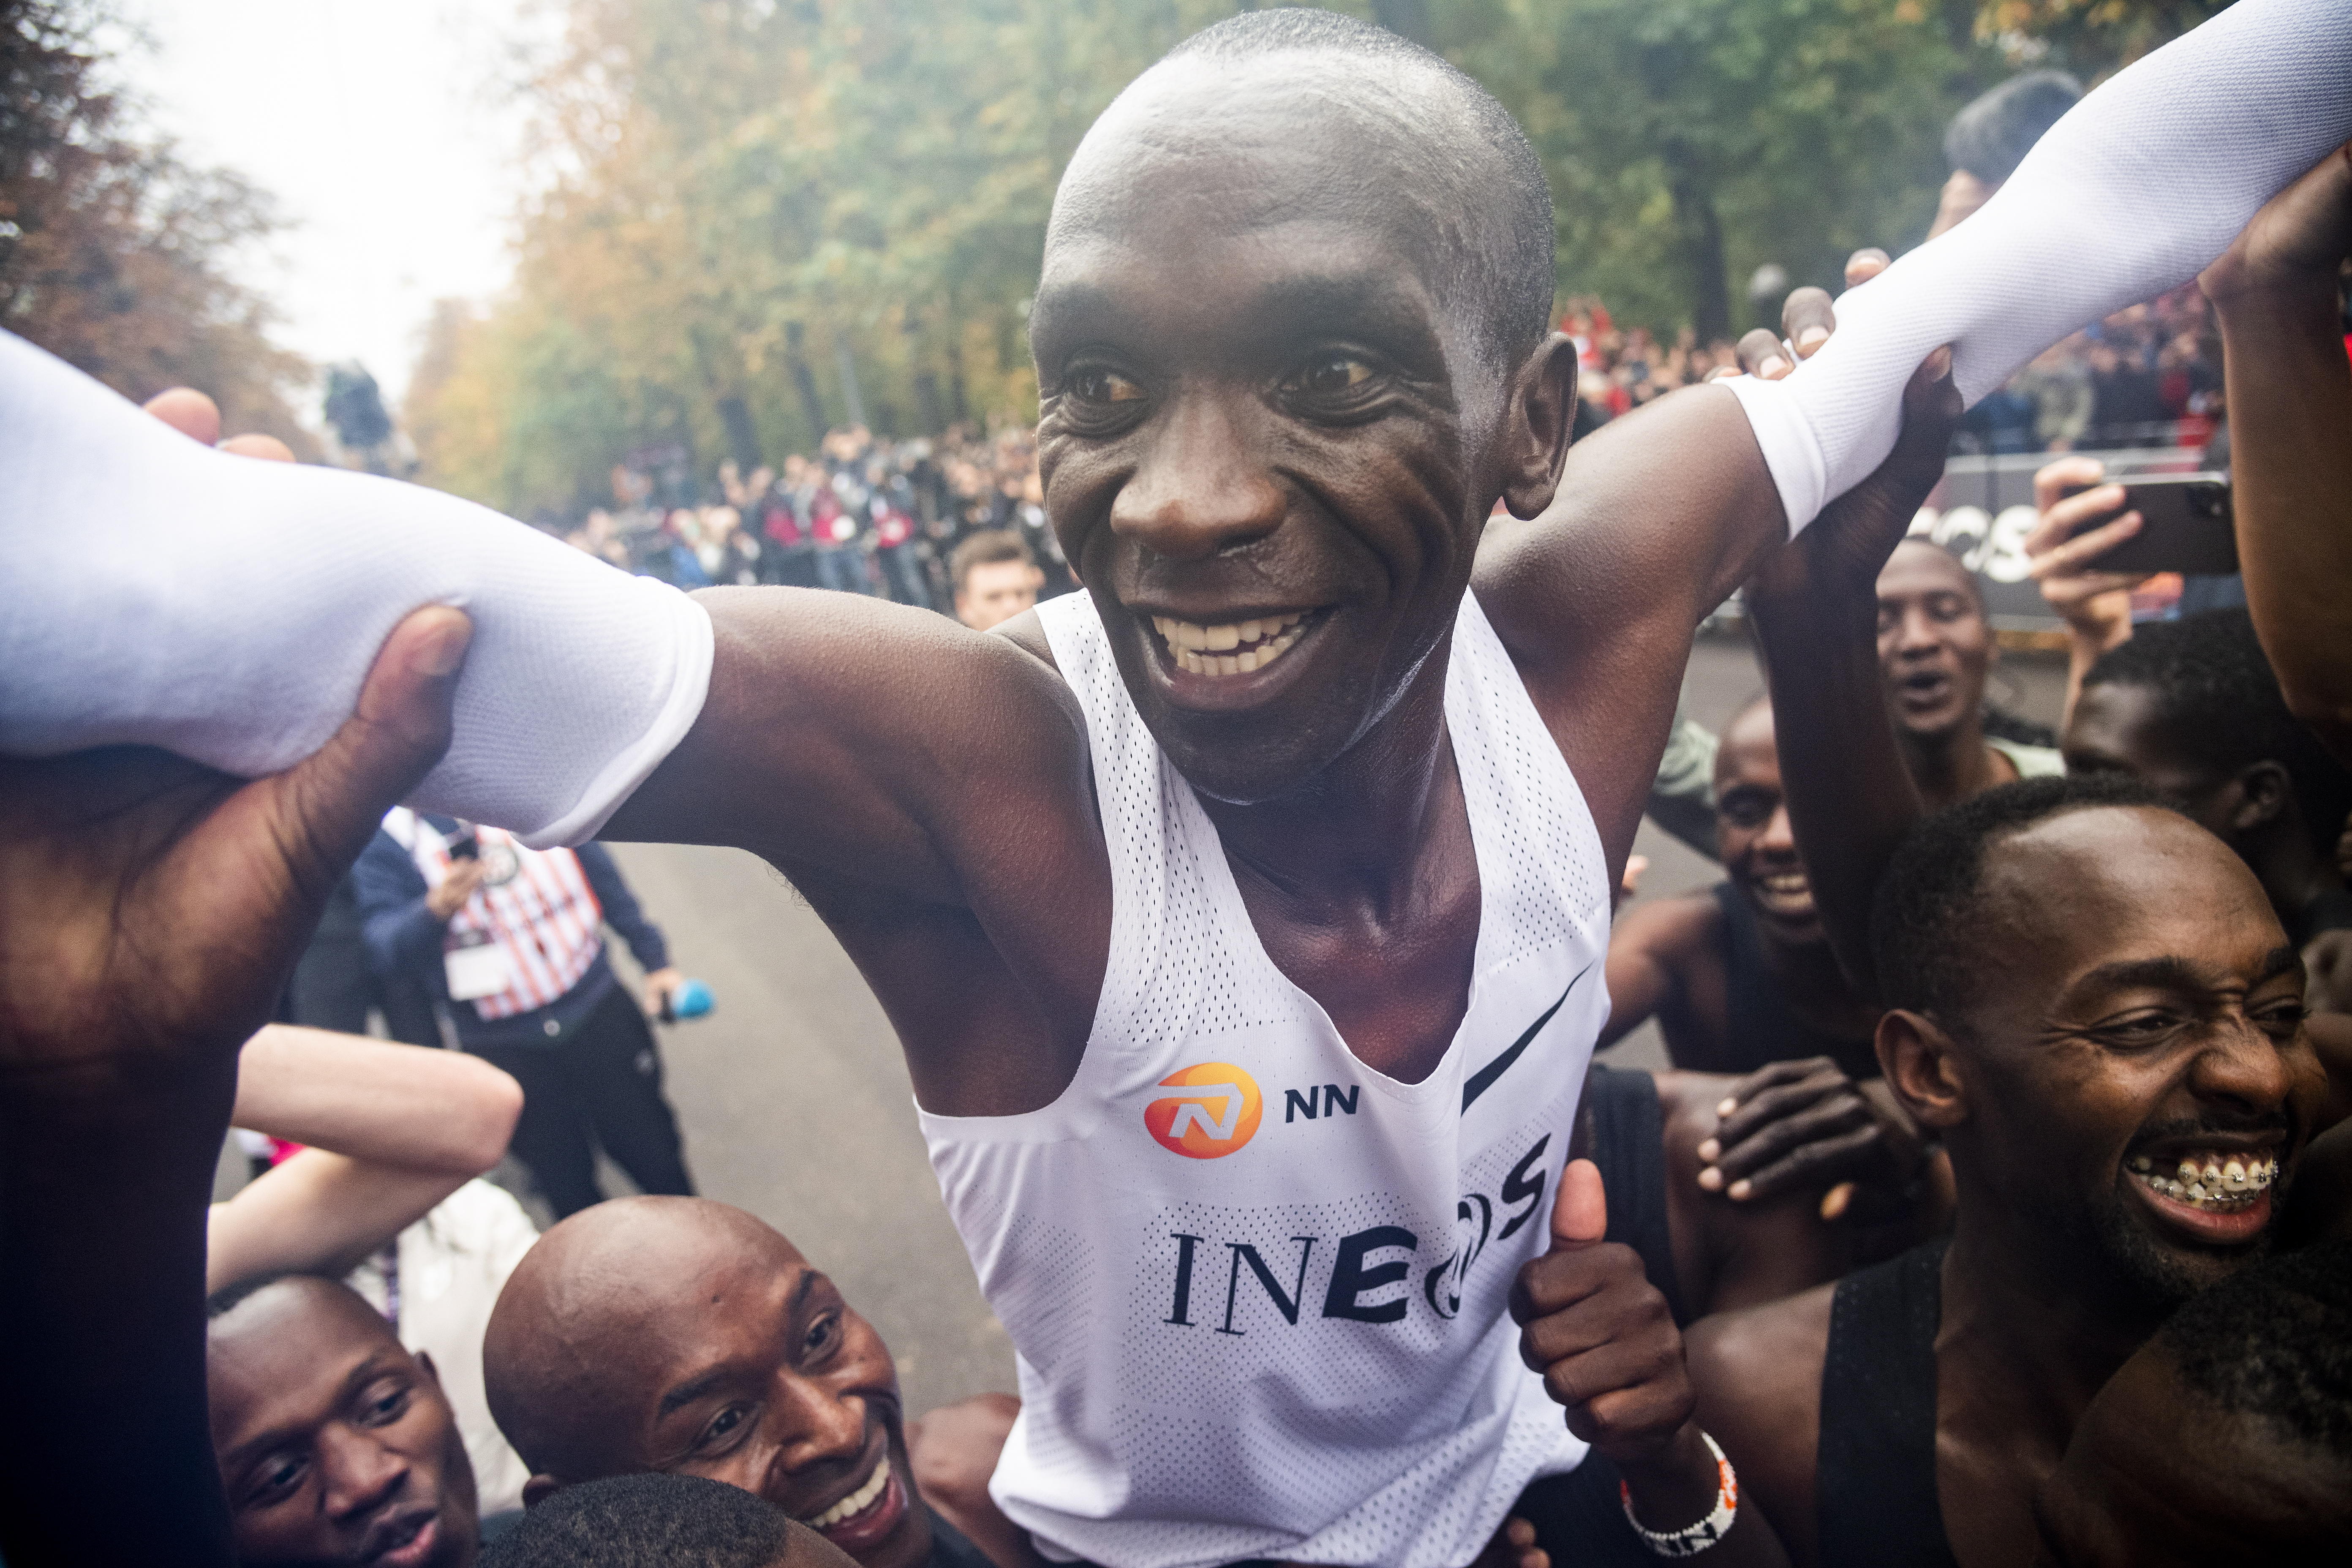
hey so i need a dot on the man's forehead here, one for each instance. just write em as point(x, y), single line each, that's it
point(2088, 888)
point(1268, 144)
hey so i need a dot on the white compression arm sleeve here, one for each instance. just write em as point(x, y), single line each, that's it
point(227, 609)
point(2142, 185)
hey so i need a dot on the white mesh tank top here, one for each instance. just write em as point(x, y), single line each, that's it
point(1257, 1289)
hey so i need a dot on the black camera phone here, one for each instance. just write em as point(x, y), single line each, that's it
point(464, 844)
point(2186, 525)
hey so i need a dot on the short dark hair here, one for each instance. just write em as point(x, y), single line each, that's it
point(1503, 250)
point(232, 1296)
point(645, 1521)
point(1925, 912)
point(2219, 701)
point(986, 548)
point(1990, 137)
point(2274, 1340)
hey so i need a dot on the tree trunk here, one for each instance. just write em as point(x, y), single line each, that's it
point(742, 436)
point(804, 380)
point(1701, 244)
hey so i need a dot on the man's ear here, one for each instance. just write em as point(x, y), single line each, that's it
point(431, 1373)
point(1538, 425)
point(2265, 792)
point(1916, 1054)
point(539, 1489)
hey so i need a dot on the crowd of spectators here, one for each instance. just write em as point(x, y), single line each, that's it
point(2147, 377)
point(864, 515)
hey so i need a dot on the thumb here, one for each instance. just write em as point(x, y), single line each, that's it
point(1580, 1214)
point(328, 805)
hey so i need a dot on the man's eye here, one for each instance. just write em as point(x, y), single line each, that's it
point(1103, 387)
point(822, 1336)
point(274, 1479)
point(1331, 377)
point(727, 1424)
point(2139, 1029)
point(387, 1404)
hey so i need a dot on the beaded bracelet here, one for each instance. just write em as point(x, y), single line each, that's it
point(1691, 1540)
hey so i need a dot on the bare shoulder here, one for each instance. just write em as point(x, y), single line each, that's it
point(1758, 1374)
point(1669, 930)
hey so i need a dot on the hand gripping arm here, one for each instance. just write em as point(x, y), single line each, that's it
point(163, 593)
point(2135, 189)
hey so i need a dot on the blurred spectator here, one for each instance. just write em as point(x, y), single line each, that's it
point(994, 577)
point(511, 938)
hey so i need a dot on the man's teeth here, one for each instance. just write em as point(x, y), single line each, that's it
point(858, 1501)
point(1231, 648)
point(2213, 1180)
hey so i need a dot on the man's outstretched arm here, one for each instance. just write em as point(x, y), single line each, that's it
point(2290, 392)
point(1815, 606)
point(227, 610)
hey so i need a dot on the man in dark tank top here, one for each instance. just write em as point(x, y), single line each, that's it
point(2094, 1005)
point(1741, 977)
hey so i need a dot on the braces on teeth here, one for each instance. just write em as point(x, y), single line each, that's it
point(2217, 1182)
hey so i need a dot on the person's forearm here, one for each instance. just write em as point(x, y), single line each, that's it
point(106, 1452)
point(407, 1106)
point(2140, 185)
point(228, 610)
point(2290, 392)
point(1851, 798)
point(316, 1213)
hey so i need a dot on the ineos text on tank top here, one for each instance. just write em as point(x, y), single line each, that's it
point(1256, 1287)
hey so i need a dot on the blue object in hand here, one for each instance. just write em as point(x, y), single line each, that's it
point(691, 999)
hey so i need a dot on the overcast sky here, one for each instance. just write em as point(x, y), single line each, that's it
point(382, 128)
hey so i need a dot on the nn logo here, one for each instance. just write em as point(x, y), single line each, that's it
point(1208, 1111)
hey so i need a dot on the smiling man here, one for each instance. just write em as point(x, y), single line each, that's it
point(335, 1443)
point(1240, 917)
point(685, 1336)
point(2094, 1005)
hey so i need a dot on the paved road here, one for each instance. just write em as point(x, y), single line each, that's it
point(796, 1104)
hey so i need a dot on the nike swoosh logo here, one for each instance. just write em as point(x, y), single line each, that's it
point(1482, 1080)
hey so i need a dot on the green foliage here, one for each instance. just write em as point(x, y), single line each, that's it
point(756, 191)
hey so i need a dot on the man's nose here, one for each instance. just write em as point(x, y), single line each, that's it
point(1198, 489)
point(821, 1422)
point(1777, 838)
point(2243, 1065)
point(1916, 631)
point(361, 1474)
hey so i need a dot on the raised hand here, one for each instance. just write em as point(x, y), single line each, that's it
point(1605, 1342)
point(1600, 1332)
point(151, 909)
point(150, 913)
point(1805, 1123)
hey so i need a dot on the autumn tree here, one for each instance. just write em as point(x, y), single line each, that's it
point(776, 216)
point(114, 254)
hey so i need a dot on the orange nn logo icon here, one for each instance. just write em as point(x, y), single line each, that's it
point(1211, 1109)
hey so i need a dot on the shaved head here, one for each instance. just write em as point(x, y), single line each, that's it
point(682, 1335)
point(1366, 123)
point(608, 1283)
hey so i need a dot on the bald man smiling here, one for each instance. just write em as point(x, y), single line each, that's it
point(686, 1336)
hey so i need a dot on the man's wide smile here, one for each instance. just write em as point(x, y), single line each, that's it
point(2216, 1196)
point(1231, 664)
